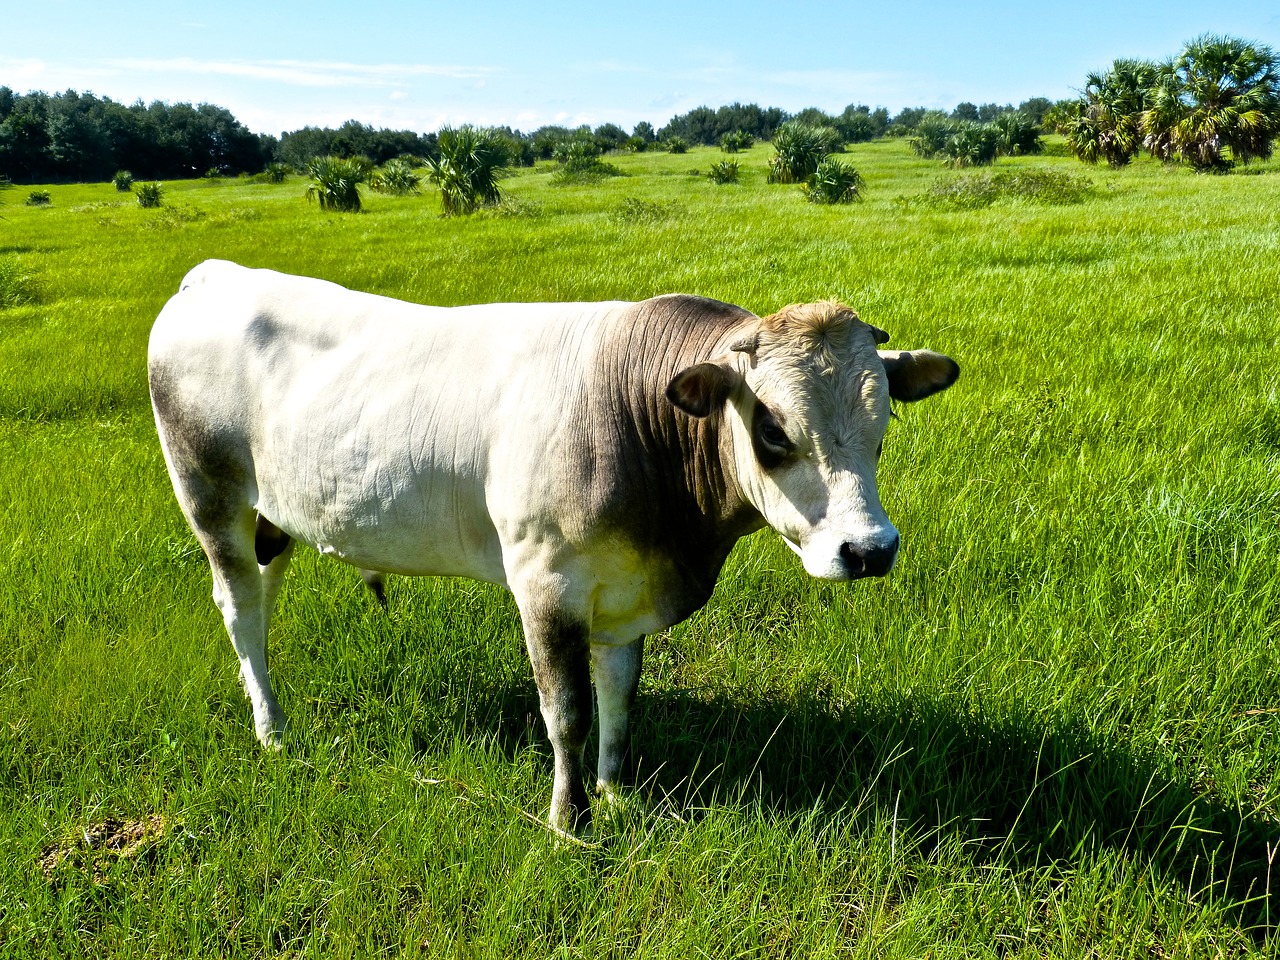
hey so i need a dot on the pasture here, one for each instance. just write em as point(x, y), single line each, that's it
point(1052, 731)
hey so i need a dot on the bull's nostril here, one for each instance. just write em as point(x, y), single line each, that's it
point(870, 562)
point(851, 559)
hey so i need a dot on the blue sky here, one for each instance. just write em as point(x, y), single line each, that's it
point(418, 66)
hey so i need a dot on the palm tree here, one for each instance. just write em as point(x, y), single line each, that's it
point(335, 182)
point(471, 162)
point(1106, 122)
point(1220, 95)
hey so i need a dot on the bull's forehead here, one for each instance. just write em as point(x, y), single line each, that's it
point(818, 371)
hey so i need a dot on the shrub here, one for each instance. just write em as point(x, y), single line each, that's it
point(1017, 135)
point(396, 178)
point(636, 145)
point(276, 172)
point(123, 181)
point(800, 148)
point(150, 194)
point(833, 182)
point(972, 145)
point(931, 134)
point(580, 162)
point(335, 182)
point(471, 161)
point(726, 171)
point(980, 190)
point(676, 145)
point(38, 198)
point(635, 210)
point(737, 140)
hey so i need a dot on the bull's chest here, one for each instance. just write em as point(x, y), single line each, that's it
point(636, 593)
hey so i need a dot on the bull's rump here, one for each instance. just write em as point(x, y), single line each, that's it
point(375, 430)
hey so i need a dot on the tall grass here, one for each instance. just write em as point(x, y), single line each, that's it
point(1053, 731)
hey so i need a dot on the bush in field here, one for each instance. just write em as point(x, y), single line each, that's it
point(635, 210)
point(396, 178)
point(38, 198)
point(737, 140)
point(972, 145)
point(123, 180)
point(980, 190)
point(833, 182)
point(726, 171)
point(931, 133)
point(471, 161)
point(676, 145)
point(276, 172)
point(800, 148)
point(1017, 135)
point(335, 182)
point(149, 194)
point(1216, 103)
point(580, 162)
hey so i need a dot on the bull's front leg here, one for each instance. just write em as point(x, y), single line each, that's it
point(559, 646)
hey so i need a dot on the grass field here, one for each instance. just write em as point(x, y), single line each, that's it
point(1053, 731)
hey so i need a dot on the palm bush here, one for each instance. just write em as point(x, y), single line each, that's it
point(726, 171)
point(833, 182)
point(972, 145)
point(467, 171)
point(123, 180)
point(38, 198)
point(800, 148)
point(737, 140)
point(1017, 135)
point(276, 172)
point(335, 182)
point(397, 178)
point(676, 145)
point(1220, 96)
point(149, 194)
point(931, 134)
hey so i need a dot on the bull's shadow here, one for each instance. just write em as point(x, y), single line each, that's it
point(1015, 790)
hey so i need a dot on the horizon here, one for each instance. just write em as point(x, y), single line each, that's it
point(396, 68)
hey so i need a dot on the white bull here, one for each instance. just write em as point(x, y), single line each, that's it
point(598, 459)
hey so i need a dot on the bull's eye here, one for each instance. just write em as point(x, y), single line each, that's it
point(773, 435)
point(772, 445)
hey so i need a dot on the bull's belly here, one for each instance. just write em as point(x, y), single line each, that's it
point(413, 536)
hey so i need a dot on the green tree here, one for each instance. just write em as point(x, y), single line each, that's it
point(1216, 103)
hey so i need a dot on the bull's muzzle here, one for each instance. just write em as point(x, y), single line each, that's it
point(873, 561)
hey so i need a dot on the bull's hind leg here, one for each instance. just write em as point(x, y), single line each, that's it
point(245, 591)
point(617, 677)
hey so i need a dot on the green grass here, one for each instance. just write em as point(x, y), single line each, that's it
point(1053, 731)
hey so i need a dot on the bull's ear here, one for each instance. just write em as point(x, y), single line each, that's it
point(699, 389)
point(916, 374)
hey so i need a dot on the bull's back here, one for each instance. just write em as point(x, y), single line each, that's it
point(364, 426)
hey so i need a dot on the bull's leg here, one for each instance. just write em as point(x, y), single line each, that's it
point(617, 676)
point(245, 591)
point(558, 647)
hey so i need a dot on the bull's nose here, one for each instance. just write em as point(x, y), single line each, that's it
point(868, 561)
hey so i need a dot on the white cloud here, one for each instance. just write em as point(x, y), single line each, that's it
point(303, 73)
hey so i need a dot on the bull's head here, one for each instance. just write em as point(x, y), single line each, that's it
point(805, 397)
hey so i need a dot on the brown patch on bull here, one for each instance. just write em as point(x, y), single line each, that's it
point(269, 541)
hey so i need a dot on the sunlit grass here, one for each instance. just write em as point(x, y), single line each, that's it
point(1053, 731)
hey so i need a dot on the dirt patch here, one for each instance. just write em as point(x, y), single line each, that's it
point(102, 844)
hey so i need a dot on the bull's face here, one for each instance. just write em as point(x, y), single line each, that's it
point(805, 399)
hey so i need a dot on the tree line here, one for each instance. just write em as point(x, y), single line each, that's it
point(73, 136)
